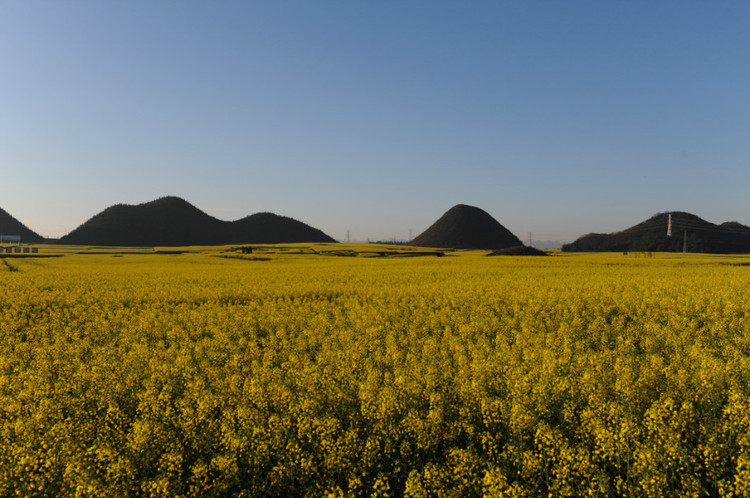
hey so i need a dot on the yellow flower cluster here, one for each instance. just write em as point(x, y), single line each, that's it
point(312, 375)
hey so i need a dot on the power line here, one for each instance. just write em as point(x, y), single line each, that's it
point(718, 229)
point(677, 224)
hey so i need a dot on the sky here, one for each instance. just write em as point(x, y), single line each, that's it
point(558, 118)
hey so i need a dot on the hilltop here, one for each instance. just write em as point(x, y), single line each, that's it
point(172, 221)
point(11, 226)
point(696, 234)
point(466, 227)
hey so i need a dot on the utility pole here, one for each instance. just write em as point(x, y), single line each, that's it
point(684, 241)
point(669, 226)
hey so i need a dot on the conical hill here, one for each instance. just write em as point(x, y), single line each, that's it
point(168, 221)
point(11, 226)
point(467, 227)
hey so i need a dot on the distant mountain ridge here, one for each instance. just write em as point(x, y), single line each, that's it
point(11, 226)
point(467, 227)
point(688, 232)
point(172, 221)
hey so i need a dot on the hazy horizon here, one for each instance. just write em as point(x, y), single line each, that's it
point(556, 118)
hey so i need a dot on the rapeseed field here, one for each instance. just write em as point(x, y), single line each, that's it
point(314, 375)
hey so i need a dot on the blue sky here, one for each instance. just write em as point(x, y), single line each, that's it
point(557, 117)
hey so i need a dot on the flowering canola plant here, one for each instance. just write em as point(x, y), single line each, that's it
point(311, 375)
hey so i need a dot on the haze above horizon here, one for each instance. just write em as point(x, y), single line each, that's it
point(557, 118)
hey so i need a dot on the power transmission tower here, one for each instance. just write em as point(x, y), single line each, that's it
point(669, 226)
point(684, 241)
point(347, 236)
point(531, 239)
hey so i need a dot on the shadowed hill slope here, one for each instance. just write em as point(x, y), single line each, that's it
point(687, 229)
point(11, 226)
point(466, 227)
point(172, 221)
point(259, 228)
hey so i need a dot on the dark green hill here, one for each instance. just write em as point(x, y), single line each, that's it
point(688, 230)
point(260, 228)
point(466, 227)
point(11, 226)
point(168, 221)
point(172, 221)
